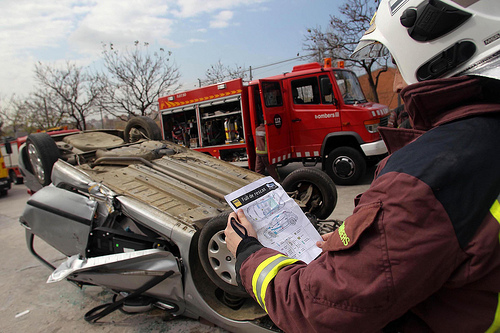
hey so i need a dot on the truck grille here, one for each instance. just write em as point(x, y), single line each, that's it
point(384, 121)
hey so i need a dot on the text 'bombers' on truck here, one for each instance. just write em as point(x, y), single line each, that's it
point(313, 114)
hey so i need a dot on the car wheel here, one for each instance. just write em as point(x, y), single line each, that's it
point(42, 153)
point(217, 261)
point(141, 128)
point(313, 189)
point(345, 165)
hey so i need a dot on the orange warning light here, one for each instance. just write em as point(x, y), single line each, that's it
point(328, 62)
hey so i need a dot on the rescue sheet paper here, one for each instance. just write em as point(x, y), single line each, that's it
point(278, 220)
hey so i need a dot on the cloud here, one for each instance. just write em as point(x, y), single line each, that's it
point(197, 40)
point(25, 25)
point(74, 30)
point(191, 8)
point(222, 19)
point(112, 21)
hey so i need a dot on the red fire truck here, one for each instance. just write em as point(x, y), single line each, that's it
point(313, 114)
point(10, 152)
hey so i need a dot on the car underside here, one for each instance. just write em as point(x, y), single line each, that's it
point(125, 209)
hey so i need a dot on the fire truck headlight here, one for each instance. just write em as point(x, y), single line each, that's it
point(372, 125)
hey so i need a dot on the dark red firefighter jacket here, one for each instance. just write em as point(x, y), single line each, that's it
point(421, 251)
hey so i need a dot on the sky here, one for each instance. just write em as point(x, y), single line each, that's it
point(199, 33)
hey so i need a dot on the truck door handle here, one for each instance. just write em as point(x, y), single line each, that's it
point(296, 120)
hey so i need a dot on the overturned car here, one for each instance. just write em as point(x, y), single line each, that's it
point(145, 218)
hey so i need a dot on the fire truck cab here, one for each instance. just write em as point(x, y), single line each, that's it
point(313, 114)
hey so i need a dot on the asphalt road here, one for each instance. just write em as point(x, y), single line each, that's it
point(28, 304)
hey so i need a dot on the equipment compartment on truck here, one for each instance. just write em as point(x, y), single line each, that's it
point(212, 123)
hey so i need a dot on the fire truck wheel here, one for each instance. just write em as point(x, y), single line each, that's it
point(345, 165)
point(42, 153)
point(217, 261)
point(141, 128)
point(313, 189)
point(13, 177)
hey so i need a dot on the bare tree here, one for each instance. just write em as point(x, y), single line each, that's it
point(137, 78)
point(76, 90)
point(16, 117)
point(341, 37)
point(46, 109)
point(2, 119)
point(219, 73)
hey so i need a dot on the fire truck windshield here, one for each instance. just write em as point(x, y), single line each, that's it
point(349, 87)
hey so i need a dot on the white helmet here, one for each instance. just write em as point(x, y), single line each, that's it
point(430, 39)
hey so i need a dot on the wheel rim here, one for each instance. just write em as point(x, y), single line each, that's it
point(36, 162)
point(344, 167)
point(221, 259)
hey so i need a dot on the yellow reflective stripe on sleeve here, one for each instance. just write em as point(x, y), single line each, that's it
point(496, 322)
point(495, 210)
point(258, 272)
point(271, 276)
point(495, 326)
point(265, 272)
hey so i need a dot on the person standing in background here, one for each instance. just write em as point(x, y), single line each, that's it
point(261, 160)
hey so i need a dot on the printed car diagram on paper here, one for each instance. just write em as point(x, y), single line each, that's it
point(279, 223)
point(264, 207)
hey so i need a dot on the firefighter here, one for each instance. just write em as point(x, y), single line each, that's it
point(261, 159)
point(421, 251)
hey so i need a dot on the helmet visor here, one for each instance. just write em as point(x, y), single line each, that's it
point(369, 49)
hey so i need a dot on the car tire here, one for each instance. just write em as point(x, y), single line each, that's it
point(42, 153)
point(323, 190)
point(345, 165)
point(141, 128)
point(217, 261)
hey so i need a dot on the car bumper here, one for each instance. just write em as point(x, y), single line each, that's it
point(5, 183)
point(374, 148)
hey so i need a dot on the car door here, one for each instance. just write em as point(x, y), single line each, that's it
point(314, 113)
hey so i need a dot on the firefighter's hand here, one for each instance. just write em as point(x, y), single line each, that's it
point(325, 238)
point(233, 239)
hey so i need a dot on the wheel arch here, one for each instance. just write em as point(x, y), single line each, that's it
point(340, 139)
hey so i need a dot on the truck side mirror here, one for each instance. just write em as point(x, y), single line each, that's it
point(8, 148)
